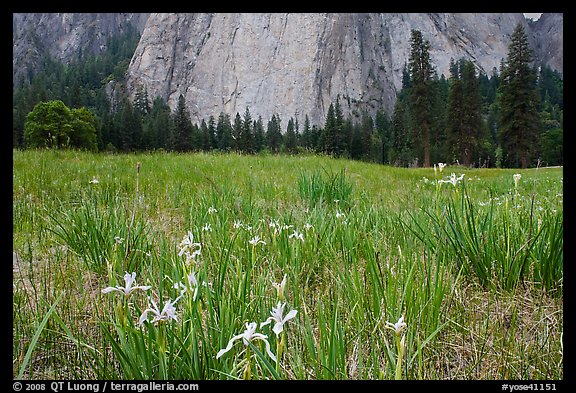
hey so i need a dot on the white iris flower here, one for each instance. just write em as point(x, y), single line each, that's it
point(129, 287)
point(187, 244)
point(453, 179)
point(248, 335)
point(297, 235)
point(279, 320)
point(398, 326)
point(168, 311)
point(255, 240)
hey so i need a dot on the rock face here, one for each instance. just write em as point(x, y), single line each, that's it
point(62, 35)
point(548, 40)
point(285, 64)
point(297, 64)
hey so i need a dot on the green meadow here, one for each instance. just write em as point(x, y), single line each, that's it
point(226, 266)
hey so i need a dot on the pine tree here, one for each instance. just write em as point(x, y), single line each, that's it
point(259, 135)
point(519, 123)
point(421, 97)
point(366, 131)
point(306, 139)
point(454, 116)
point(328, 136)
point(472, 116)
point(160, 124)
point(401, 149)
point(246, 137)
point(384, 131)
point(290, 137)
point(224, 132)
point(182, 133)
point(141, 101)
point(204, 136)
point(213, 141)
point(237, 128)
point(342, 133)
point(273, 134)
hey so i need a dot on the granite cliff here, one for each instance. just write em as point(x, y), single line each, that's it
point(288, 64)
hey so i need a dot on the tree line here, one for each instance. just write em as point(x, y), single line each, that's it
point(511, 118)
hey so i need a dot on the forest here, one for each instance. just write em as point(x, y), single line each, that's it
point(466, 118)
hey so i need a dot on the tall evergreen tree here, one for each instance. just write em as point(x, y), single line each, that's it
point(421, 97)
point(213, 141)
point(141, 101)
point(383, 129)
point(329, 133)
point(182, 132)
point(366, 133)
point(237, 128)
point(401, 150)
point(306, 139)
point(224, 132)
point(290, 137)
point(246, 137)
point(259, 136)
point(130, 127)
point(519, 122)
point(472, 116)
point(454, 126)
point(343, 132)
point(274, 134)
point(204, 134)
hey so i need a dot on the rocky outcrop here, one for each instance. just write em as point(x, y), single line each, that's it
point(62, 35)
point(297, 64)
point(285, 64)
point(548, 40)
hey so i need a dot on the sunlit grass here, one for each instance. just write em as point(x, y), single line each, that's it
point(475, 268)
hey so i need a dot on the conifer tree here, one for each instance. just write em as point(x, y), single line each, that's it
point(421, 92)
point(519, 122)
point(328, 136)
point(384, 131)
point(182, 133)
point(204, 136)
point(306, 139)
point(141, 101)
point(237, 128)
point(273, 134)
point(290, 137)
point(246, 137)
point(224, 132)
point(212, 140)
point(259, 135)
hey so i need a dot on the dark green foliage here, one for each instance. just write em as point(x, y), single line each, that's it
point(464, 122)
point(336, 135)
point(471, 119)
point(224, 132)
point(182, 134)
point(421, 92)
point(259, 136)
point(246, 134)
point(384, 130)
point(129, 128)
point(52, 124)
point(291, 139)
point(273, 134)
point(157, 125)
point(519, 122)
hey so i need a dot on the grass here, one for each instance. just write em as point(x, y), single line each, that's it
point(475, 268)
